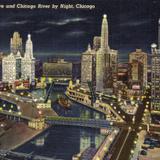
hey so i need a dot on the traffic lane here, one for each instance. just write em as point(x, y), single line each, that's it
point(115, 148)
point(118, 109)
point(126, 152)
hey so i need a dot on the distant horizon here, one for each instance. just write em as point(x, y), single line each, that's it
point(121, 57)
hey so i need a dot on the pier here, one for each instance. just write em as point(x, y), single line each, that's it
point(5, 154)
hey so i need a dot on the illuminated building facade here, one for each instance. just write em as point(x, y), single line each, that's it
point(15, 67)
point(136, 75)
point(155, 74)
point(88, 67)
point(155, 78)
point(123, 72)
point(140, 56)
point(28, 62)
point(102, 57)
point(16, 43)
point(9, 68)
point(106, 62)
point(59, 69)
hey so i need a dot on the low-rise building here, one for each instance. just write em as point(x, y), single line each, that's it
point(58, 70)
point(37, 124)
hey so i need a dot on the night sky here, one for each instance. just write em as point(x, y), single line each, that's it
point(132, 24)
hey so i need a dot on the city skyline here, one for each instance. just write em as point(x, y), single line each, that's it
point(60, 99)
point(131, 26)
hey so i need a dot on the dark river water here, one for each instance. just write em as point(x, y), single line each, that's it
point(62, 142)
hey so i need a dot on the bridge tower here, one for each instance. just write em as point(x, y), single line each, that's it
point(92, 92)
point(48, 92)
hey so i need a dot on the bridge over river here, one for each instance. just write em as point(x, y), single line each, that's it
point(73, 121)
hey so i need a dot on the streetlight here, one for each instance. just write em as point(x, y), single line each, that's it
point(140, 127)
point(115, 131)
point(111, 139)
point(19, 113)
point(18, 107)
point(132, 151)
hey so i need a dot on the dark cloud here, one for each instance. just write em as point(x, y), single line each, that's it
point(75, 33)
point(66, 21)
point(132, 24)
point(135, 23)
point(13, 23)
point(42, 30)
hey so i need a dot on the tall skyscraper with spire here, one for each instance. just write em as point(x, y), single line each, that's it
point(16, 43)
point(104, 33)
point(102, 56)
point(28, 61)
point(99, 64)
point(15, 67)
point(29, 47)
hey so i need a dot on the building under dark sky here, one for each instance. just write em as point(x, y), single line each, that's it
point(132, 24)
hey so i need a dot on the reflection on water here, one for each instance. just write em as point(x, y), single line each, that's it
point(62, 142)
point(40, 141)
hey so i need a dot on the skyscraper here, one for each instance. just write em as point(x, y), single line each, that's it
point(102, 57)
point(104, 33)
point(16, 43)
point(140, 56)
point(155, 74)
point(136, 75)
point(9, 68)
point(15, 67)
point(155, 78)
point(99, 64)
point(88, 67)
point(28, 61)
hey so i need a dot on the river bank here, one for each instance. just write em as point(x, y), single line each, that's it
point(16, 134)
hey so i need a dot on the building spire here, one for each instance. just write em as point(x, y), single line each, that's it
point(104, 32)
point(29, 47)
point(89, 47)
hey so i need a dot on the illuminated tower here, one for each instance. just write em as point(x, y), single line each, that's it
point(16, 43)
point(101, 56)
point(88, 67)
point(28, 62)
point(155, 78)
point(104, 33)
point(140, 56)
point(29, 47)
